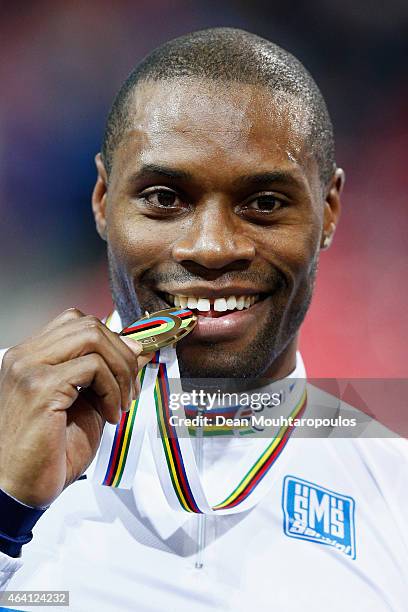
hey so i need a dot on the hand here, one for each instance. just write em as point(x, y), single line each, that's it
point(49, 431)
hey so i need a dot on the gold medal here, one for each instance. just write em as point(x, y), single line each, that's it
point(161, 328)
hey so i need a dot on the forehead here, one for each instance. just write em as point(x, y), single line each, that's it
point(196, 121)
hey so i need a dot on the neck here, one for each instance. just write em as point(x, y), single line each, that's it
point(285, 362)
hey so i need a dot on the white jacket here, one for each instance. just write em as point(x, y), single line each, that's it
point(117, 550)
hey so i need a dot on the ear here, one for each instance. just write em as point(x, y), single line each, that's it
point(99, 195)
point(332, 208)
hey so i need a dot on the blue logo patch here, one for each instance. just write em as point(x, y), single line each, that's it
point(319, 515)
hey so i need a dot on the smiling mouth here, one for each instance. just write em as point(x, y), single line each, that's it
point(214, 307)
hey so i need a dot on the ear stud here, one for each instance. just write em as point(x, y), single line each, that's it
point(328, 236)
point(327, 241)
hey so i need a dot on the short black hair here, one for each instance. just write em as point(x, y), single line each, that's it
point(228, 54)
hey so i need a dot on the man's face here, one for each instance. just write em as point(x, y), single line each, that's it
point(214, 197)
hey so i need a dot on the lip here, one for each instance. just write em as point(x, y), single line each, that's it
point(229, 326)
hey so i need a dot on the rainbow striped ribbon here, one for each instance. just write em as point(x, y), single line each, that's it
point(119, 451)
point(123, 437)
point(121, 442)
point(181, 477)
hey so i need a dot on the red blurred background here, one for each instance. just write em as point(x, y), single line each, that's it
point(61, 64)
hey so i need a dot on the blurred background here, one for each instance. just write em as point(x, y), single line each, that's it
point(62, 62)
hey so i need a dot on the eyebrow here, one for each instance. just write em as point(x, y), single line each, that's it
point(246, 181)
point(150, 170)
point(263, 178)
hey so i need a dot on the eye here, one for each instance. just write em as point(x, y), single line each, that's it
point(264, 203)
point(161, 198)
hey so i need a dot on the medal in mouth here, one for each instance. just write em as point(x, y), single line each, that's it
point(161, 328)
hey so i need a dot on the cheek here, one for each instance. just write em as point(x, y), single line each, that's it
point(136, 241)
point(291, 249)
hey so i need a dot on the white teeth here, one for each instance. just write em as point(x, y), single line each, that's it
point(241, 302)
point(220, 305)
point(231, 302)
point(203, 304)
point(192, 302)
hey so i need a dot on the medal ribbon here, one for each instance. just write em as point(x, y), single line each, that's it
point(120, 447)
point(181, 480)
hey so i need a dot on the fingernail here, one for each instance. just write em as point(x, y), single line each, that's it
point(134, 345)
point(118, 418)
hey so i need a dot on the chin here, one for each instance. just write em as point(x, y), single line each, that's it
point(217, 361)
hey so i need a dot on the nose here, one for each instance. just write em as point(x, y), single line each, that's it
point(215, 239)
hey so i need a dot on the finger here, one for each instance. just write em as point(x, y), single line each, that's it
point(135, 348)
point(143, 360)
point(134, 345)
point(31, 347)
point(128, 348)
point(128, 352)
point(85, 336)
point(71, 314)
point(91, 371)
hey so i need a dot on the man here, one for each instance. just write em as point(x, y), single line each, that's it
point(216, 189)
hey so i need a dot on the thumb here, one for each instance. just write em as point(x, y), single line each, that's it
point(142, 360)
point(137, 347)
point(134, 345)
